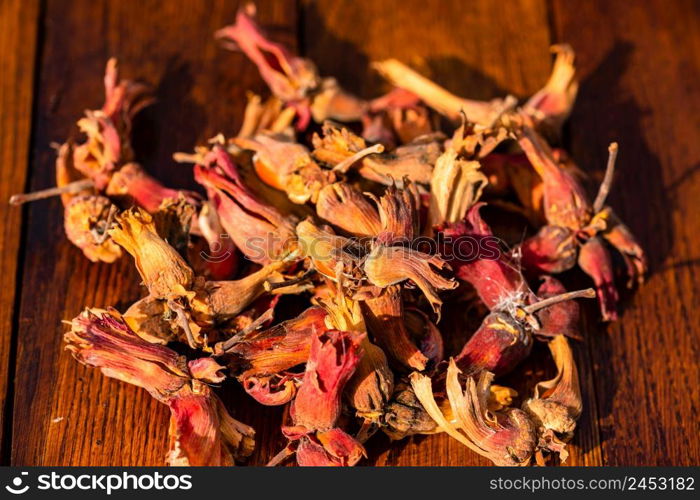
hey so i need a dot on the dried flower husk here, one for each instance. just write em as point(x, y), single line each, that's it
point(384, 317)
point(108, 130)
point(580, 223)
point(132, 184)
point(317, 406)
point(498, 346)
point(425, 334)
point(495, 277)
point(407, 118)
point(327, 251)
point(594, 259)
point(398, 213)
point(620, 237)
point(332, 102)
point(85, 221)
point(552, 105)
point(259, 230)
point(441, 100)
point(220, 301)
point(85, 213)
point(341, 149)
point(268, 116)
point(455, 187)
point(164, 272)
point(294, 80)
point(346, 207)
point(290, 78)
point(265, 358)
point(553, 249)
point(287, 166)
point(332, 361)
point(203, 433)
point(173, 221)
point(505, 438)
point(151, 319)
point(201, 430)
point(558, 319)
point(404, 415)
point(566, 202)
point(390, 265)
point(372, 384)
point(557, 403)
point(512, 172)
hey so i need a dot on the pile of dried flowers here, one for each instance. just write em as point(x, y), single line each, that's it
point(376, 223)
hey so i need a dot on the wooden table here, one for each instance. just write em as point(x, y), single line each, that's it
point(639, 67)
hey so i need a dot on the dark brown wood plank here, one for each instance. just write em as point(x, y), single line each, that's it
point(66, 414)
point(475, 49)
point(640, 64)
point(18, 32)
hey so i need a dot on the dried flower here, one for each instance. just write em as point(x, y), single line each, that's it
point(456, 185)
point(505, 438)
point(85, 220)
point(222, 257)
point(552, 105)
point(264, 358)
point(438, 98)
point(556, 404)
point(385, 266)
point(384, 317)
point(164, 272)
point(372, 384)
point(341, 149)
point(347, 208)
point(289, 78)
point(316, 408)
point(286, 165)
point(327, 251)
point(259, 230)
point(201, 430)
point(398, 214)
point(132, 184)
point(577, 223)
point(223, 300)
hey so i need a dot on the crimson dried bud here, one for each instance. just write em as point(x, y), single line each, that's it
point(259, 230)
point(265, 358)
point(201, 430)
point(315, 411)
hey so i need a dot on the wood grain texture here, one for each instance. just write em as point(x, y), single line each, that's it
point(18, 33)
point(64, 413)
point(640, 64)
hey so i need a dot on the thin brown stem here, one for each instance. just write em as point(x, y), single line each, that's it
point(262, 319)
point(588, 293)
point(607, 180)
point(286, 452)
point(183, 322)
point(270, 285)
point(102, 237)
point(344, 165)
point(73, 187)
